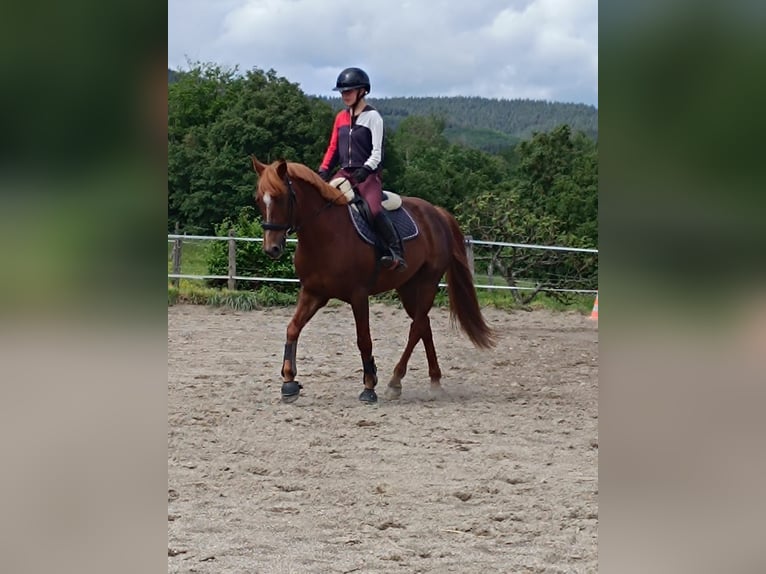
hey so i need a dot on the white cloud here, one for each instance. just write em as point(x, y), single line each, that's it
point(545, 49)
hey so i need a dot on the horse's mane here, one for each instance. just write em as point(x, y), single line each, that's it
point(304, 173)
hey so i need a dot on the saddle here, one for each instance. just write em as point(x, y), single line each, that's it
point(360, 212)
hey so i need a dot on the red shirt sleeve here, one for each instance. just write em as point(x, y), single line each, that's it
point(331, 155)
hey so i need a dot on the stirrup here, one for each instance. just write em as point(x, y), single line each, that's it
point(393, 262)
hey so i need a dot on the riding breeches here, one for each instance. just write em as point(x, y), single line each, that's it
point(371, 189)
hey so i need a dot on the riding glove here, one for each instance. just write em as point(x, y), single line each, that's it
point(361, 174)
point(324, 174)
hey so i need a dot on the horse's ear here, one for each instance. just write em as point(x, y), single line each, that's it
point(282, 169)
point(257, 166)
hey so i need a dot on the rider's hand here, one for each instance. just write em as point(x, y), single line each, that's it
point(361, 174)
point(324, 174)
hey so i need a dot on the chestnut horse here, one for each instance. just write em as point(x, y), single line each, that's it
point(332, 261)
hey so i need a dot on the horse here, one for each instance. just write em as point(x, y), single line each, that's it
point(333, 262)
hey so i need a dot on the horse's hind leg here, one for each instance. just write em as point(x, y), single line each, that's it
point(434, 372)
point(417, 300)
point(394, 389)
point(308, 304)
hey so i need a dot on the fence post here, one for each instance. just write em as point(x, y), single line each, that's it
point(490, 271)
point(469, 252)
point(232, 261)
point(177, 248)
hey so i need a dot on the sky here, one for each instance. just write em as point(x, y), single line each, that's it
point(509, 49)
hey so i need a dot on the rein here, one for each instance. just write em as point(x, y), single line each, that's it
point(292, 200)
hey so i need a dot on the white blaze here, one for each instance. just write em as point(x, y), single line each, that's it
point(267, 203)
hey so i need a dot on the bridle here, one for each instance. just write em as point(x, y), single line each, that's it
point(290, 227)
point(292, 200)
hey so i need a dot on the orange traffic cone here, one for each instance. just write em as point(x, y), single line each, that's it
point(594, 313)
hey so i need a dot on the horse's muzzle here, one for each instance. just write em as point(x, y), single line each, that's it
point(274, 249)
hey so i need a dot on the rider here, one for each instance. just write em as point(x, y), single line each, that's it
point(356, 144)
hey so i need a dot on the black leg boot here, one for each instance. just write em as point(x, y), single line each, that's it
point(394, 259)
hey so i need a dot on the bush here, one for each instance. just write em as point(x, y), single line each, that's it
point(251, 260)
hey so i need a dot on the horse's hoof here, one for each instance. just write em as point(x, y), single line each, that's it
point(291, 390)
point(368, 396)
point(393, 393)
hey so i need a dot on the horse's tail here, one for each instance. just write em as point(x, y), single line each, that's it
point(464, 306)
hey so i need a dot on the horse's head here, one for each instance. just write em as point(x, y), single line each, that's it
point(275, 198)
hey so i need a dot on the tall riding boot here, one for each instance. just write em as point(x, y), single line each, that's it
point(385, 228)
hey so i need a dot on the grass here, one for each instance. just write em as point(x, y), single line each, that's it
point(507, 299)
point(193, 262)
point(267, 296)
point(238, 300)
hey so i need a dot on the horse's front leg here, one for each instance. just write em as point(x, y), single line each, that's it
point(361, 307)
point(308, 304)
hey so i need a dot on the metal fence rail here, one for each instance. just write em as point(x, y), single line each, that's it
point(178, 239)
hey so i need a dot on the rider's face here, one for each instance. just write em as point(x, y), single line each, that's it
point(350, 95)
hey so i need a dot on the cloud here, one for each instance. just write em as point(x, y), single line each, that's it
point(542, 49)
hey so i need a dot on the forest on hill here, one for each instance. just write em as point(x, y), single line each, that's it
point(488, 124)
point(508, 121)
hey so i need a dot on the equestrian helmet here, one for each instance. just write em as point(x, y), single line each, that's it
point(352, 78)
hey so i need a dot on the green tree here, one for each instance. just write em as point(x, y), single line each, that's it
point(217, 118)
point(251, 260)
point(416, 134)
point(552, 200)
point(558, 177)
point(437, 171)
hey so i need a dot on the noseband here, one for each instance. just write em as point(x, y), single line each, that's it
point(290, 226)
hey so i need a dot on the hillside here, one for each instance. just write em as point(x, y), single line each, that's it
point(519, 118)
point(483, 123)
point(504, 121)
